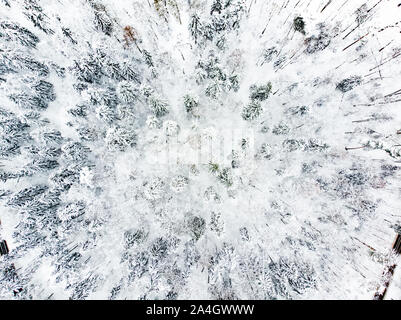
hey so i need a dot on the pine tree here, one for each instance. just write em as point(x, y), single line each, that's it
point(103, 23)
point(118, 138)
point(26, 101)
point(80, 110)
point(13, 133)
point(158, 106)
point(225, 176)
point(348, 84)
point(191, 105)
point(196, 226)
point(319, 42)
point(233, 83)
point(14, 32)
point(214, 89)
point(299, 25)
point(6, 3)
point(252, 111)
point(68, 33)
point(260, 93)
point(35, 13)
point(129, 72)
point(88, 69)
point(148, 58)
point(195, 28)
point(217, 6)
point(107, 113)
point(127, 92)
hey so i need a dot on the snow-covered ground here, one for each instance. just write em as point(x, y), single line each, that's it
point(195, 149)
point(394, 290)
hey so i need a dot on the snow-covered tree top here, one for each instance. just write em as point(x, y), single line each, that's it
point(196, 149)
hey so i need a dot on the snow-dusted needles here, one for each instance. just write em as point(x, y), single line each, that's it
point(199, 149)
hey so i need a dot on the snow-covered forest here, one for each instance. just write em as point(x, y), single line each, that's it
point(199, 149)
